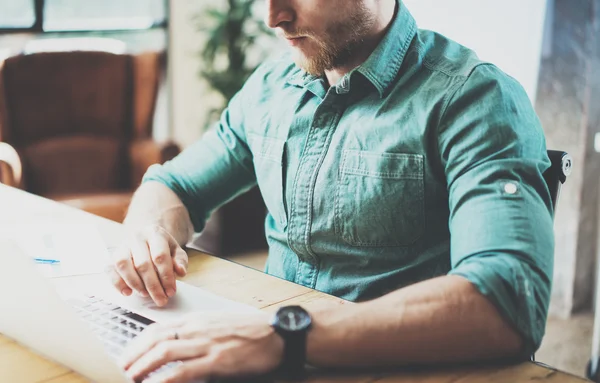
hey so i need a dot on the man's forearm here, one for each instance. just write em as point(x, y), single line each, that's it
point(440, 320)
point(155, 204)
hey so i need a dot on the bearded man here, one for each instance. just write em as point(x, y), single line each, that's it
point(399, 172)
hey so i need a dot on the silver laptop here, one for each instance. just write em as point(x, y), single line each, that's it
point(82, 322)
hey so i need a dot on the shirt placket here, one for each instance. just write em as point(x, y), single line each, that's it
point(325, 120)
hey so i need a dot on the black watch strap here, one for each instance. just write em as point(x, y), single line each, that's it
point(294, 354)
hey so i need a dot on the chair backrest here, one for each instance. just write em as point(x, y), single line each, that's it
point(557, 173)
point(71, 116)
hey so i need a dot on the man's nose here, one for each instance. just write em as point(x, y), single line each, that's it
point(278, 12)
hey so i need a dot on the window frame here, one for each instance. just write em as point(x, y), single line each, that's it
point(38, 25)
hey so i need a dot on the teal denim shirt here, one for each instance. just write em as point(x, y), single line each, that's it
point(423, 161)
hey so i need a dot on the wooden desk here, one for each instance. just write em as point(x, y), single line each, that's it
point(19, 365)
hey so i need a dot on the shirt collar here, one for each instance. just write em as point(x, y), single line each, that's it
point(384, 63)
point(381, 68)
point(301, 78)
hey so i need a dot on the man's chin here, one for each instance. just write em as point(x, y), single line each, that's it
point(300, 59)
point(304, 63)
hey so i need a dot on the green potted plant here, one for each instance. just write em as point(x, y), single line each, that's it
point(232, 32)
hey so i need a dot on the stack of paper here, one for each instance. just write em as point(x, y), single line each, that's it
point(78, 249)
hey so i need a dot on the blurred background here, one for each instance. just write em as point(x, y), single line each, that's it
point(92, 93)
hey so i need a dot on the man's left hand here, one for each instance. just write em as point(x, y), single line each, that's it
point(207, 345)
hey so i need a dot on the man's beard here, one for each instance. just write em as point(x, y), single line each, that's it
point(339, 45)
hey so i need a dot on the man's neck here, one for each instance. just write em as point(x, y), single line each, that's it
point(384, 15)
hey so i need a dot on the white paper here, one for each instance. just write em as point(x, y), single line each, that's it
point(79, 248)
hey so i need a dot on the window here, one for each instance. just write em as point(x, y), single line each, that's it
point(16, 14)
point(81, 15)
point(94, 15)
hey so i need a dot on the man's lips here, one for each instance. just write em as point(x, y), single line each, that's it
point(294, 41)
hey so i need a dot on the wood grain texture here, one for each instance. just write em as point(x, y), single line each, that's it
point(521, 373)
point(243, 284)
point(239, 283)
point(19, 365)
point(311, 300)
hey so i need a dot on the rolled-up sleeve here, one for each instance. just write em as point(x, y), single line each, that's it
point(213, 170)
point(493, 152)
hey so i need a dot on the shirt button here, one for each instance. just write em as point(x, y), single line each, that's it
point(343, 86)
point(510, 188)
point(345, 82)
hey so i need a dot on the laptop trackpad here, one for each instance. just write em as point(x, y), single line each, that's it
point(189, 299)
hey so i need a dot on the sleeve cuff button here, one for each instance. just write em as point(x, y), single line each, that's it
point(510, 188)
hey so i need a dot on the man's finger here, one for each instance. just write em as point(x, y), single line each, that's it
point(152, 335)
point(165, 352)
point(160, 253)
point(145, 268)
point(180, 260)
point(124, 267)
point(188, 371)
point(117, 281)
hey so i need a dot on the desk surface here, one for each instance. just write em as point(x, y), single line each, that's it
point(18, 364)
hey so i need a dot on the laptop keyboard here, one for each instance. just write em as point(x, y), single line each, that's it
point(114, 325)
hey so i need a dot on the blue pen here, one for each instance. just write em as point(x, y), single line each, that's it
point(46, 261)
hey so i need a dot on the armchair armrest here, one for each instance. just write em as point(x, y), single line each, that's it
point(143, 153)
point(11, 169)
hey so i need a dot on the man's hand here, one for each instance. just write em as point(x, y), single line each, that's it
point(208, 345)
point(147, 264)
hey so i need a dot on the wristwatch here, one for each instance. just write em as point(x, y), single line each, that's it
point(292, 324)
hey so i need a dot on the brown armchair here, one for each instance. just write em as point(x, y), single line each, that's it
point(10, 165)
point(81, 123)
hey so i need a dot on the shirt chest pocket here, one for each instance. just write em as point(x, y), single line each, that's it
point(268, 166)
point(379, 200)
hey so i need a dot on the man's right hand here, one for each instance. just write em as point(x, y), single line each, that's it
point(148, 264)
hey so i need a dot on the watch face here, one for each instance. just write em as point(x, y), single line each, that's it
point(293, 318)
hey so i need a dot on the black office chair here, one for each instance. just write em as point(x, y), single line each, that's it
point(557, 173)
point(555, 176)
